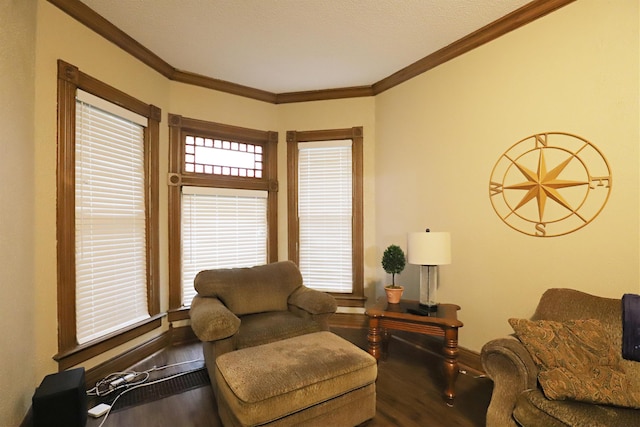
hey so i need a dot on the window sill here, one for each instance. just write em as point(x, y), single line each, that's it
point(349, 300)
point(74, 356)
point(176, 314)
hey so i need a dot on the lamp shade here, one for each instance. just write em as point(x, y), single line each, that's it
point(429, 248)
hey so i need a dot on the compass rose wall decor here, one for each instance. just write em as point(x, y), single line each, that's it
point(550, 184)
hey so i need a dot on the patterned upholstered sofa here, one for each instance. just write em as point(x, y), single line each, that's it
point(564, 366)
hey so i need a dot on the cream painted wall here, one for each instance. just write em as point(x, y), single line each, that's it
point(61, 37)
point(333, 114)
point(17, 305)
point(205, 104)
point(430, 145)
point(440, 134)
point(104, 61)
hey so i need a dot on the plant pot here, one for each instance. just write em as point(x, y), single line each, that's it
point(393, 294)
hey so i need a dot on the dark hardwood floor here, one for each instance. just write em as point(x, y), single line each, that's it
point(408, 388)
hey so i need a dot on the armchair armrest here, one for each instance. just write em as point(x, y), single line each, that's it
point(312, 301)
point(509, 365)
point(211, 320)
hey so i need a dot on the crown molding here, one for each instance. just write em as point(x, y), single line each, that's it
point(319, 95)
point(223, 86)
point(516, 19)
point(88, 17)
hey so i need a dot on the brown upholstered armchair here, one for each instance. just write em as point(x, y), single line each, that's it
point(244, 307)
point(517, 395)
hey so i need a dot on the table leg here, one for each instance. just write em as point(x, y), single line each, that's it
point(386, 336)
point(450, 364)
point(374, 338)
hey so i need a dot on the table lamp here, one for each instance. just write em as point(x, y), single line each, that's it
point(429, 249)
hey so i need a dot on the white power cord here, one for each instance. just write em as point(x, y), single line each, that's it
point(128, 380)
point(116, 381)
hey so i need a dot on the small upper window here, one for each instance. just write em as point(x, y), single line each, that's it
point(220, 157)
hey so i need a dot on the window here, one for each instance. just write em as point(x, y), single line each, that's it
point(325, 211)
point(221, 228)
point(111, 290)
point(222, 202)
point(107, 217)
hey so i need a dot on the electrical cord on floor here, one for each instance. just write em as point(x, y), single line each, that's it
point(140, 386)
point(155, 368)
point(475, 377)
point(126, 381)
point(119, 380)
point(116, 381)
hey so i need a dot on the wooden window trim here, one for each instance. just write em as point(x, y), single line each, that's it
point(83, 352)
point(356, 298)
point(178, 128)
point(70, 79)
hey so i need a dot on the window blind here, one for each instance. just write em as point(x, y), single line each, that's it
point(221, 228)
point(325, 188)
point(110, 221)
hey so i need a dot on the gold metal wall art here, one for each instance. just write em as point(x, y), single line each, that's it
point(550, 184)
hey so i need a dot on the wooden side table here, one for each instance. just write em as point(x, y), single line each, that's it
point(443, 323)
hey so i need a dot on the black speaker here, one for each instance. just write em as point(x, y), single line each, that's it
point(61, 400)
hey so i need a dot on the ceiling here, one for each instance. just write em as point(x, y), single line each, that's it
point(284, 46)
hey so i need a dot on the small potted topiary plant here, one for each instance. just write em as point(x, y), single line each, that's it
point(393, 262)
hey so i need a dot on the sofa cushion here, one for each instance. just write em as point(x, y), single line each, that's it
point(599, 384)
point(312, 302)
point(251, 290)
point(573, 344)
point(534, 409)
point(263, 328)
point(577, 361)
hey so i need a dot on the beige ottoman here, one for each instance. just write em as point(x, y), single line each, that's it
point(317, 379)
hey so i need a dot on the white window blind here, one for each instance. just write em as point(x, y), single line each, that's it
point(221, 228)
point(110, 224)
point(325, 189)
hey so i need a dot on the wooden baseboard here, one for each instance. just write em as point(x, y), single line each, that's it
point(182, 335)
point(468, 359)
point(348, 320)
point(127, 359)
point(123, 361)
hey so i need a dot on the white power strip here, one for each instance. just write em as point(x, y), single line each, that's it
point(122, 380)
point(99, 410)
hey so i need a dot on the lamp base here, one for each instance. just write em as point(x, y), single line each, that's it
point(428, 307)
point(428, 288)
point(424, 310)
